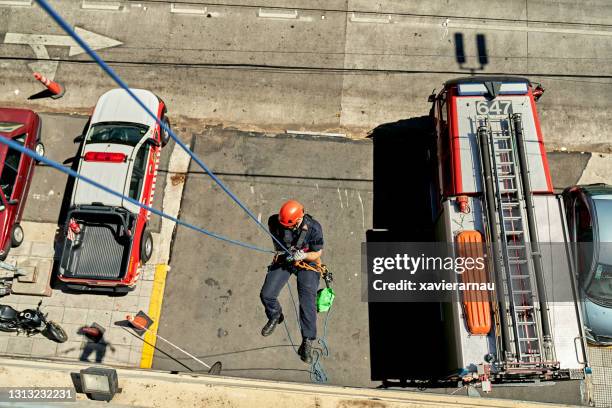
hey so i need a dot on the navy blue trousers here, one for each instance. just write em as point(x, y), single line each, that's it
point(307, 283)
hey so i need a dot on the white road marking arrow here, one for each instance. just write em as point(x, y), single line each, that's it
point(95, 41)
point(38, 42)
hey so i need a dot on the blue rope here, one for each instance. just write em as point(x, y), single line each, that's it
point(17, 146)
point(317, 371)
point(66, 27)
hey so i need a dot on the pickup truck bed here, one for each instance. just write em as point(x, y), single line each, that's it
point(102, 248)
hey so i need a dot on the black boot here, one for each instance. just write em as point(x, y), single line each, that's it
point(305, 351)
point(271, 325)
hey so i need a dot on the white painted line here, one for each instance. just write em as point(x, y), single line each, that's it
point(276, 13)
point(17, 3)
point(369, 18)
point(182, 8)
point(305, 132)
point(101, 5)
point(530, 29)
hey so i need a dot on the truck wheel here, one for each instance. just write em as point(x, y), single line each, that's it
point(16, 236)
point(165, 136)
point(146, 246)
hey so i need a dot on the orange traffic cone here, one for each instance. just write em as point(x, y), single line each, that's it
point(140, 323)
point(56, 89)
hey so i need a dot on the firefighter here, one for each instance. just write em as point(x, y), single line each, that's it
point(303, 236)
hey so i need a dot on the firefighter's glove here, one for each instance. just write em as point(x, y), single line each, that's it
point(297, 255)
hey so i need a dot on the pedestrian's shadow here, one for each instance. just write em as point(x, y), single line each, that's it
point(99, 349)
point(96, 344)
point(406, 339)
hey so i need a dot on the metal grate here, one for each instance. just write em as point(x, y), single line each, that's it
point(601, 362)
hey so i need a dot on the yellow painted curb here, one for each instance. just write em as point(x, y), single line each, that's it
point(155, 306)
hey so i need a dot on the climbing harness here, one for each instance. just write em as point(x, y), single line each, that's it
point(326, 296)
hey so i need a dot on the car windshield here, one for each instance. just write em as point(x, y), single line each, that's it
point(601, 285)
point(10, 169)
point(9, 127)
point(117, 132)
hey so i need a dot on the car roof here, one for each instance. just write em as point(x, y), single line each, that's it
point(117, 105)
point(596, 189)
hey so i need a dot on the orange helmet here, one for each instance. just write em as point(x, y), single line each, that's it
point(290, 213)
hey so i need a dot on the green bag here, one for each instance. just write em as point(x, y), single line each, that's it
point(325, 299)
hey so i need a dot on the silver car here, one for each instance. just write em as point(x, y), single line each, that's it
point(589, 213)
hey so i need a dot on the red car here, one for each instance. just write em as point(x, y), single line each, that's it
point(16, 171)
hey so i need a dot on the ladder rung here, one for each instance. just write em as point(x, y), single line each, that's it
point(519, 276)
point(508, 190)
point(513, 217)
point(506, 163)
point(515, 246)
point(526, 323)
point(503, 150)
point(528, 339)
point(509, 204)
point(515, 232)
point(517, 261)
point(521, 292)
point(523, 307)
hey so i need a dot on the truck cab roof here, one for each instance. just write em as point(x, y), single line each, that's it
point(482, 79)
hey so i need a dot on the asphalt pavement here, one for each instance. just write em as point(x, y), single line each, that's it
point(211, 305)
point(347, 66)
point(334, 65)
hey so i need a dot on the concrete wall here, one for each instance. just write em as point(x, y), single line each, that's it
point(155, 389)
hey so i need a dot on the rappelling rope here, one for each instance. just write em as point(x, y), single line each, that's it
point(66, 27)
point(17, 146)
point(317, 371)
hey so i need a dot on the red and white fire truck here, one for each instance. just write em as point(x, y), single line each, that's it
point(494, 188)
point(107, 237)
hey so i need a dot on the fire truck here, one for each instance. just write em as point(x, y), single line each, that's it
point(493, 187)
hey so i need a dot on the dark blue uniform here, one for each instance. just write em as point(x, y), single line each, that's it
point(279, 273)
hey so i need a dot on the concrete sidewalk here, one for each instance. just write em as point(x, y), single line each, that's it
point(120, 345)
point(73, 311)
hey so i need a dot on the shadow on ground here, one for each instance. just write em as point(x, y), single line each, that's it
point(406, 339)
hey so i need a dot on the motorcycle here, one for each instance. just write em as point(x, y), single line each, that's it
point(30, 322)
point(5, 286)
